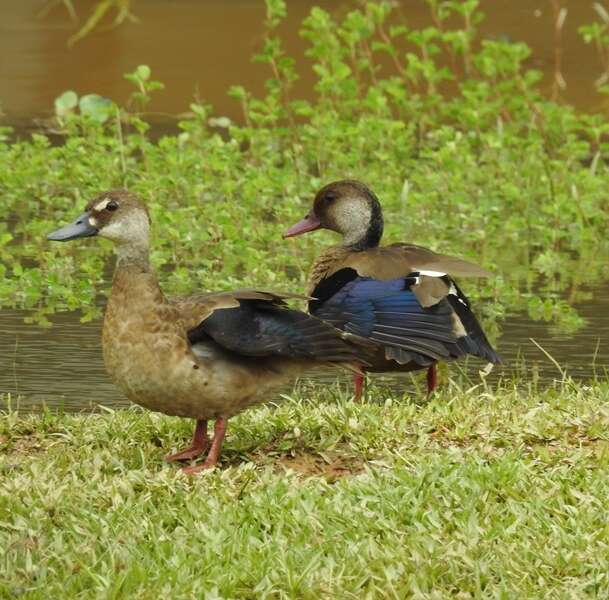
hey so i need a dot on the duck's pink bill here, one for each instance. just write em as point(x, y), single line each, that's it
point(309, 223)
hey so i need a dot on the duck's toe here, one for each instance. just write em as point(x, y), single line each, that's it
point(187, 454)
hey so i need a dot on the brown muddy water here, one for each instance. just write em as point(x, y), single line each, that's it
point(200, 48)
point(62, 366)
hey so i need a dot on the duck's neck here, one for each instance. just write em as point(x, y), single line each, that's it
point(135, 283)
point(368, 233)
point(133, 257)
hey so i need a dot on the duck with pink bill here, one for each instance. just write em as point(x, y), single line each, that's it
point(402, 297)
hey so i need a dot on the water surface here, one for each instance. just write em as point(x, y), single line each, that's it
point(201, 48)
point(62, 366)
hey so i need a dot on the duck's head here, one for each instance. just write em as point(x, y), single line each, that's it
point(117, 215)
point(349, 208)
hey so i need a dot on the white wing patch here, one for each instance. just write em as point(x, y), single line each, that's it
point(432, 273)
point(203, 351)
point(452, 290)
point(458, 327)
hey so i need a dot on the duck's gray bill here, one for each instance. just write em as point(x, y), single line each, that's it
point(80, 228)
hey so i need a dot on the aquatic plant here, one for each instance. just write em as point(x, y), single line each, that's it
point(451, 130)
point(98, 13)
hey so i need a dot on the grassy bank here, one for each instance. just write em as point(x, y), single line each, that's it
point(475, 493)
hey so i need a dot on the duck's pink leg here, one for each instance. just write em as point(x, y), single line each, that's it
point(432, 379)
point(358, 382)
point(200, 443)
point(214, 451)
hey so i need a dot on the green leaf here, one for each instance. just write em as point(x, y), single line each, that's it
point(66, 103)
point(143, 72)
point(95, 107)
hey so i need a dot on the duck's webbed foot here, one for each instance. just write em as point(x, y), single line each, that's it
point(214, 451)
point(200, 443)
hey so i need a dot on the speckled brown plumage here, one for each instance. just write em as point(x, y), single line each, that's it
point(148, 355)
point(183, 356)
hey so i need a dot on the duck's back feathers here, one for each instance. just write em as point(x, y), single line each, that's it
point(196, 308)
point(390, 262)
point(422, 259)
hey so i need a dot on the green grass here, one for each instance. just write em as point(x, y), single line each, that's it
point(476, 493)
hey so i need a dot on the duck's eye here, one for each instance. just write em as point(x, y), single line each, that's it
point(112, 205)
point(329, 197)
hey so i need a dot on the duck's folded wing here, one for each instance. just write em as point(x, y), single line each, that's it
point(258, 324)
point(404, 287)
point(389, 313)
point(411, 317)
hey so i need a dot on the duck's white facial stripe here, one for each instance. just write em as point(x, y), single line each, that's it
point(93, 221)
point(101, 205)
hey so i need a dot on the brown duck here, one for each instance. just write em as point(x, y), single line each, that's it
point(206, 356)
point(403, 297)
